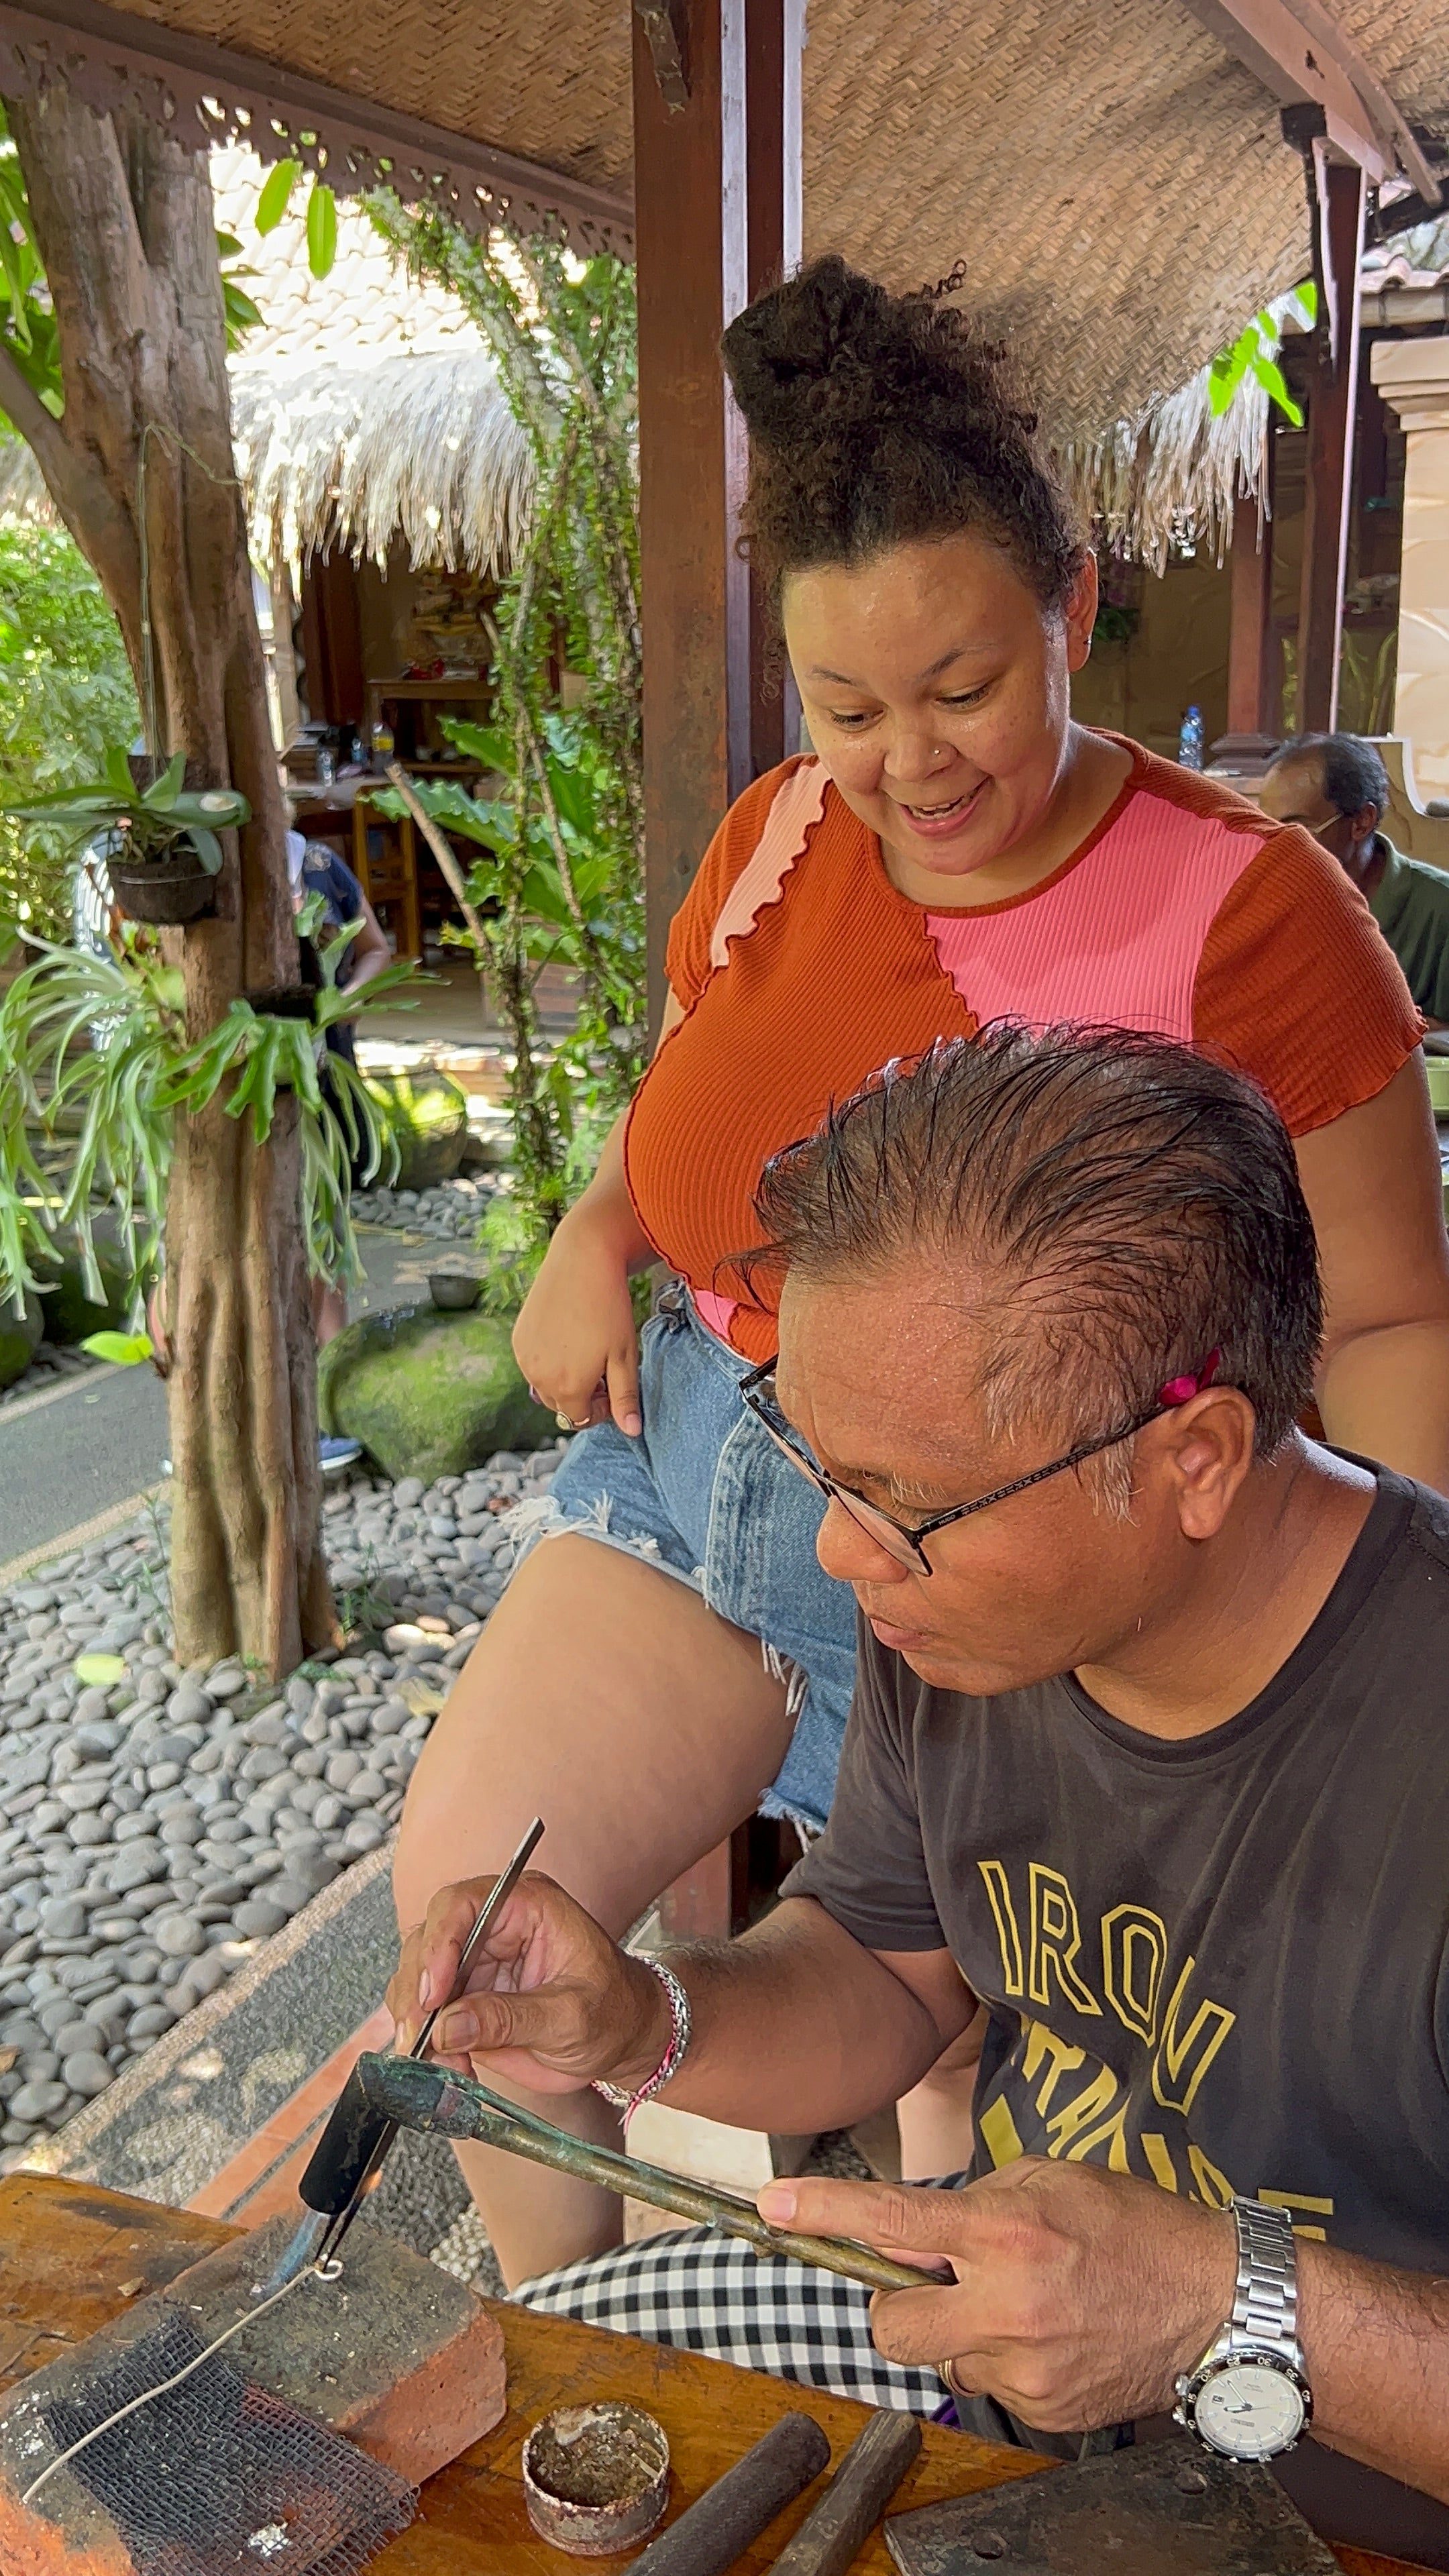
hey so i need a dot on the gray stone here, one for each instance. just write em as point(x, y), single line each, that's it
point(150, 2021)
point(264, 1762)
point(180, 1936)
point(299, 1694)
point(135, 1828)
point(224, 1681)
point(190, 1706)
point(292, 1893)
point(98, 1735)
point(182, 1825)
point(86, 2073)
point(364, 1834)
point(329, 1812)
point(137, 1864)
point(365, 1789)
point(38, 2101)
point(64, 1917)
point(258, 1918)
point(80, 2038)
point(201, 1977)
point(163, 1775)
point(173, 1747)
point(342, 1769)
point(89, 1832)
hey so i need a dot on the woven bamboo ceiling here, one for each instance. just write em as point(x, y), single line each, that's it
point(1114, 181)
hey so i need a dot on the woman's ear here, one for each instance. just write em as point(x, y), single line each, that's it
point(1079, 613)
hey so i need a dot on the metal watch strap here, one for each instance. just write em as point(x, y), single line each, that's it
point(1265, 2297)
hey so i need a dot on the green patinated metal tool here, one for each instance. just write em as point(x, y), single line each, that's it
point(416, 2095)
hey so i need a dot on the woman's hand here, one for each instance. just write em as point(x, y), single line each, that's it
point(550, 2001)
point(576, 1340)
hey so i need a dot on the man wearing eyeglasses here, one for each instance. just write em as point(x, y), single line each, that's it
point(1148, 1758)
point(1337, 785)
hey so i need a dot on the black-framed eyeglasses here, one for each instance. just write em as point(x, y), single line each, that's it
point(907, 1544)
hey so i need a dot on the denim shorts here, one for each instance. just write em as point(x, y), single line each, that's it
point(705, 1495)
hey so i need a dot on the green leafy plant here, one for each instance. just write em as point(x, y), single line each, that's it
point(65, 693)
point(242, 315)
point(115, 1103)
point(152, 823)
point(563, 832)
point(276, 196)
point(123, 1350)
point(1255, 353)
point(548, 885)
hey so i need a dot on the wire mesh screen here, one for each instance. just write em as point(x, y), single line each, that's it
point(218, 2477)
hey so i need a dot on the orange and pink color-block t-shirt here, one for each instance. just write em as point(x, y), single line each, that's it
point(802, 970)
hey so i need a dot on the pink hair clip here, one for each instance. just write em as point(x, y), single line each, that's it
point(1181, 1390)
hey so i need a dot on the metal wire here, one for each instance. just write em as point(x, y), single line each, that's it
point(163, 2387)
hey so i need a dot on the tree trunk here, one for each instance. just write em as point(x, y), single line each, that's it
point(141, 470)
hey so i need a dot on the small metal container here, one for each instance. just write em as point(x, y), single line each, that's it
point(596, 2478)
point(453, 1291)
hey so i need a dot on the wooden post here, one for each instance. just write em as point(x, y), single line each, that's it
point(700, 198)
point(769, 35)
point(1331, 405)
point(1251, 569)
point(717, 217)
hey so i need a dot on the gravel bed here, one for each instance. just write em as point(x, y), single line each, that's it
point(50, 1366)
point(452, 1210)
point(155, 1830)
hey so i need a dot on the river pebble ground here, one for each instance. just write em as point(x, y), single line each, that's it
point(452, 1210)
point(157, 1827)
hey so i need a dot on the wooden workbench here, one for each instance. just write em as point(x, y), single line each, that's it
point(71, 2256)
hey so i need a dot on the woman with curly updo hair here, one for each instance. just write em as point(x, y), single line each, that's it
point(670, 1656)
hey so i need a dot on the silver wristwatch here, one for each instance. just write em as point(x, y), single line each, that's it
point(1249, 2398)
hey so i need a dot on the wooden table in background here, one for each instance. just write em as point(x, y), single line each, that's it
point(72, 2255)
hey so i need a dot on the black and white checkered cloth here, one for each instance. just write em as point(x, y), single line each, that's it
point(712, 2294)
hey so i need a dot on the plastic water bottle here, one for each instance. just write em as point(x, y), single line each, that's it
point(1190, 740)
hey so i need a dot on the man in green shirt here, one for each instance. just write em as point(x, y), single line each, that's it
point(1337, 785)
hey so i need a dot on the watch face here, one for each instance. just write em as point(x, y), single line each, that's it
point(1249, 2410)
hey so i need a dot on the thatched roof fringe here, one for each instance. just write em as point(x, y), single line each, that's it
point(1173, 471)
point(422, 447)
point(1171, 474)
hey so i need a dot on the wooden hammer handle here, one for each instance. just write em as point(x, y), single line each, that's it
point(855, 2499)
point(713, 2532)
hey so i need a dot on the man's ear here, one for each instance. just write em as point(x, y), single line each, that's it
point(1208, 1445)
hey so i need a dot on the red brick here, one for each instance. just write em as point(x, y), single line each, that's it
point(396, 2355)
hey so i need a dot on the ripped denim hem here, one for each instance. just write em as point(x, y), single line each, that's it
point(530, 1523)
point(780, 1811)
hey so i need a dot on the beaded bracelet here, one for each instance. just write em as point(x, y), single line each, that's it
point(680, 2034)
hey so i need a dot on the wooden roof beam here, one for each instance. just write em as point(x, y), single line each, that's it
point(1302, 56)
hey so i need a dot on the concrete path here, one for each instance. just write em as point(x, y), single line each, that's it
point(75, 1451)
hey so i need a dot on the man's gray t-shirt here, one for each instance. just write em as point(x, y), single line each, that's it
point(1220, 1964)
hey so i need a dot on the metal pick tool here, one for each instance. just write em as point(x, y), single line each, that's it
point(349, 2153)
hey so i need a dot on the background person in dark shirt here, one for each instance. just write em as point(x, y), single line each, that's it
point(1147, 1756)
point(316, 869)
point(1336, 784)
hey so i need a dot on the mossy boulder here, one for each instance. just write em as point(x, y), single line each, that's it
point(428, 1394)
point(428, 1117)
point(20, 1328)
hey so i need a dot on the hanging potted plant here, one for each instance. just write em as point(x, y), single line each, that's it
point(162, 855)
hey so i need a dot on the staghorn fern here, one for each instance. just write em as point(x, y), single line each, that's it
point(98, 1045)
